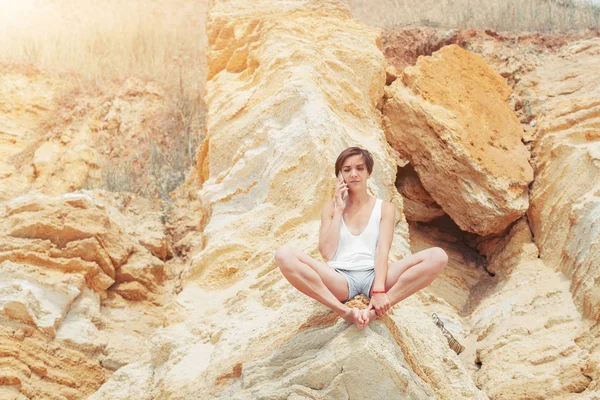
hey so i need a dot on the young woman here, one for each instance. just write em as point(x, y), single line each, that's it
point(355, 238)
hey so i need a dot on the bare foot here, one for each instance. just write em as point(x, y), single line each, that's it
point(354, 316)
point(369, 315)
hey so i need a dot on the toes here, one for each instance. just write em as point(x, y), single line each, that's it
point(365, 317)
point(358, 317)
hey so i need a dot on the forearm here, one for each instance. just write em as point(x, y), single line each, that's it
point(381, 269)
point(331, 237)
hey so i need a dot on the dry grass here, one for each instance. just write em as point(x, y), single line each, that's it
point(556, 16)
point(109, 40)
point(97, 45)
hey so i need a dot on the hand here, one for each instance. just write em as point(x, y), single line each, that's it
point(341, 195)
point(380, 303)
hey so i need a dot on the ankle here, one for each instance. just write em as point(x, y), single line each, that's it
point(343, 310)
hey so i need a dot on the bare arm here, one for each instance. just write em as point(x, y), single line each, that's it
point(329, 236)
point(331, 220)
point(384, 243)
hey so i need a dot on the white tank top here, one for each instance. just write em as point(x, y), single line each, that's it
point(356, 253)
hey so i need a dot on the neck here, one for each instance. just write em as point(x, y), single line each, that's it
point(358, 199)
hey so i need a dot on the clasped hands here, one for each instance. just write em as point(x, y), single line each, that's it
point(380, 303)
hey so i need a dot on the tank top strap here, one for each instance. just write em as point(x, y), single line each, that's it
point(376, 216)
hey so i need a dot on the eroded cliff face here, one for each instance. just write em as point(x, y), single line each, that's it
point(83, 278)
point(113, 296)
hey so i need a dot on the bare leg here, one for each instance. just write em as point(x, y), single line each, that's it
point(318, 281)
point(411, 274)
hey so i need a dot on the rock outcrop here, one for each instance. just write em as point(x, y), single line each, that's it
point(521, 336)
point(565, 197)
point(68, 263)
point(449, 116)
point(291, 84)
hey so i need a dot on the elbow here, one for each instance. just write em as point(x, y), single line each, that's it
point(324, 253)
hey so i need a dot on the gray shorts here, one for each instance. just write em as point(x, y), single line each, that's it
point(358, 281)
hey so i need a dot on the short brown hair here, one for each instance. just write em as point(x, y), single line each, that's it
point(353, 151)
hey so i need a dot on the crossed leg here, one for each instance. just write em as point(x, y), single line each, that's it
point(411, 274)
point(318, 281)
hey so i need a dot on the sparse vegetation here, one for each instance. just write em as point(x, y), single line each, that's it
point(159, 163)
point(95, 46)
point(543, 16)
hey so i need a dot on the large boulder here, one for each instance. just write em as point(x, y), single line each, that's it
point(449, 116)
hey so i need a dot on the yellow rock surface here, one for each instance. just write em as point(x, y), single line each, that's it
point(59, 259)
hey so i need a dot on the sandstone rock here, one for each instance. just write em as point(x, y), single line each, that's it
point(418, 204)
point(44, 153)
point(130, 382)
point(453, 124)
point(428, 354)
point(143, 268)
point(350, 364)
point(449, 294)
point(246, 199)
point(390, 75)
point(512, 323)
point(131, 290)
point(38, 368)
point(37, 297)
point(54, 139)
point(402, 47)
point(79, 329)
point(59, 256)
point(565, 195)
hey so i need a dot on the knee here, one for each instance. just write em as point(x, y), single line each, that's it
point(438, 259)
point(283, 254)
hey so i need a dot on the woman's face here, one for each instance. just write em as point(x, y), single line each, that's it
point(355, 173)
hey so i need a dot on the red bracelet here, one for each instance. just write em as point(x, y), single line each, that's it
point(378, 292)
